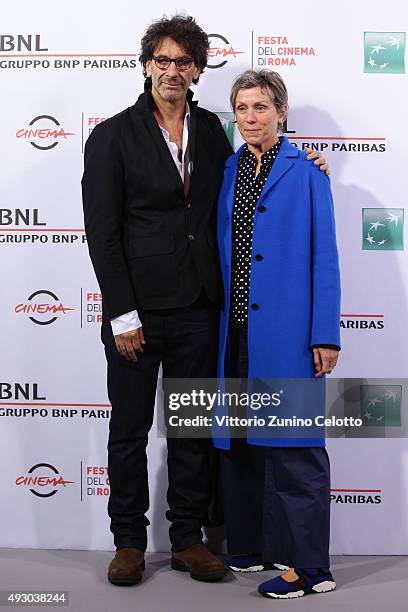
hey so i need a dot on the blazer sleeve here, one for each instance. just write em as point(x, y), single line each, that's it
point(103, 203)
point(325, 264)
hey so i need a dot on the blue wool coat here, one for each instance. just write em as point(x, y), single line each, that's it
point(296, 285)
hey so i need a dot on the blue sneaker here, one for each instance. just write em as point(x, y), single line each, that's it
point(309, 581)
point(252, 563)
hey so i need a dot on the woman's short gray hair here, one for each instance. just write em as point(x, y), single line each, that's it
point(270, 82)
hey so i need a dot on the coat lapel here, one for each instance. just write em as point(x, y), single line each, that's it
point(164, 151)
point(145, 106)
point(198, 154)
point(230, 177)
point(283, 163)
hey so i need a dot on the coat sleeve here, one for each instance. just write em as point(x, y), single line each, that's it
point(103, 203)
point(325, 264)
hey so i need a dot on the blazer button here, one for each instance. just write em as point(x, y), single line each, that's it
point(261, 208)
point(258, 257)
point(254, 306)
point(191, 237)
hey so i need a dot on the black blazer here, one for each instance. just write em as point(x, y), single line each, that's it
point(151, 246)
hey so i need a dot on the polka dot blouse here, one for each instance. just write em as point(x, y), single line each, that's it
point(248, 189)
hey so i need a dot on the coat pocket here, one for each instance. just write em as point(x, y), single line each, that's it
point(153, 268)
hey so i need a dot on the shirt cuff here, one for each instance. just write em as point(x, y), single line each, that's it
point(125, 323)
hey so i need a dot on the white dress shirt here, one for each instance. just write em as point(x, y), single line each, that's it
point(130, 320)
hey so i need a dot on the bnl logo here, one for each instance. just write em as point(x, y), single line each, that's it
point(383, 229)
point(380, 405)
point(384, 52)
point(228, 123)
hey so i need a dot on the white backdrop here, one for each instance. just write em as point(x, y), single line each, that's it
point(66, 69)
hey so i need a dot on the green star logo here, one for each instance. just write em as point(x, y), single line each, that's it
point(384, 52)
point(380, 405)
point(228, 123)
point(383, 229)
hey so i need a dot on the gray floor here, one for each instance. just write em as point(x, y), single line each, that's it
point(363, 583)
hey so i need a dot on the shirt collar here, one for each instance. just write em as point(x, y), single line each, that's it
point(267, 156)
point(186, 123)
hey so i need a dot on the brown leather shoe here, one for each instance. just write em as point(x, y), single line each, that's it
point(201, 564)
point(126, 567)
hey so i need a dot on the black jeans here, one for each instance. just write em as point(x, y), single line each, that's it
point(184, 341)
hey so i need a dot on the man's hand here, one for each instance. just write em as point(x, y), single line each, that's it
point(320, 160)
point(130, 343)
point(325, 360)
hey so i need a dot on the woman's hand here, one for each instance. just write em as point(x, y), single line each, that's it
point(320, 160)
point(325, 360)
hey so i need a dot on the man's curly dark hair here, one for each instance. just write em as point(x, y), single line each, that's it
point(185, 31)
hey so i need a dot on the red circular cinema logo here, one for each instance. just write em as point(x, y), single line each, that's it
point(43, 306)
point(220, 51)
point(44, 132)
point(43, 480)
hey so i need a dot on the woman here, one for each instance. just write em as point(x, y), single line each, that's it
point(279, 263)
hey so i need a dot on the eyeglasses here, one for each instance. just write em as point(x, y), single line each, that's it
point(181, 63)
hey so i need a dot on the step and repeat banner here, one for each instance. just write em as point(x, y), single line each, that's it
point(64, 71)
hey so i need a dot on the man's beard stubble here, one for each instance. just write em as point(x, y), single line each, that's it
point(169, 95)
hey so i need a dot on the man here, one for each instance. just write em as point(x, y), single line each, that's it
point(150, 187)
